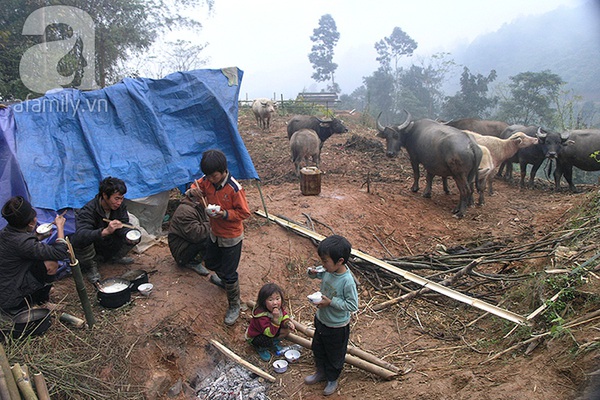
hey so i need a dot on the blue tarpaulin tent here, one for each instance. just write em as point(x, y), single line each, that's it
point(149, 132)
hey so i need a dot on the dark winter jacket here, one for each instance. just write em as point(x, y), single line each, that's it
point(89, 223)
point(189, 224)
point(20, 254)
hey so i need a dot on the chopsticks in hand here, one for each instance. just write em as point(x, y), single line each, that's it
point(124, 224)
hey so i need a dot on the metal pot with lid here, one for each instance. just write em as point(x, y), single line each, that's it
point(114, 292)
point(136, 277)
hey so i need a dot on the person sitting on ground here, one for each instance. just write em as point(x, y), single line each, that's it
point(27, 265)
point(96, 240)
point(189, 231)
point(270, 322)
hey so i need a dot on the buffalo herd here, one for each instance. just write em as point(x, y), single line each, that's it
point(467, 150)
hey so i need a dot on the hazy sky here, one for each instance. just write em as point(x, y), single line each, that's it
point(270, 41)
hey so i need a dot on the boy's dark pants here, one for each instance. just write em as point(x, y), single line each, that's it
point(329, 349)
point(223, 260)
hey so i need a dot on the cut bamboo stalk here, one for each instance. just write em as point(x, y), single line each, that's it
point(72, 320)
point(10, 379)
point(482, 305)
point(231, 355)
point(23, 382)
point(4, 392)
point(80, 286)
point(40, 386)
point(350, 359)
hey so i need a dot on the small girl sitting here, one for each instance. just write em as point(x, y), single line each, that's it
point(270, 322)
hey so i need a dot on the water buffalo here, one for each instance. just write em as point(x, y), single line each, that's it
point(548, 146)
point(323, 128)
point(581, 150)
point(481, 126)
point(304, 144)
point(503, 149)
point(443, 150)
point(263, 110)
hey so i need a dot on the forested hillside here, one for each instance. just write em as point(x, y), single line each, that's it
point(565, 41)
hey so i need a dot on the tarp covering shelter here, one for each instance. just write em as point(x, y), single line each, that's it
point(149, 132)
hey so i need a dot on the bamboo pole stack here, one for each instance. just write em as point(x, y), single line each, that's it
point(355, 356)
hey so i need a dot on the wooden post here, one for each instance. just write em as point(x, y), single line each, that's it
point(10, 379)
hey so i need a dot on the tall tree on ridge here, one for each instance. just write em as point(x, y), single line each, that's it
point(325, 37)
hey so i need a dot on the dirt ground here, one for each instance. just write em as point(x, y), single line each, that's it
point(437, 343)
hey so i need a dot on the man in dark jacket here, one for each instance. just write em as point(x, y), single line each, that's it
point(189, 230)
point(27, 266)
point(97, 240)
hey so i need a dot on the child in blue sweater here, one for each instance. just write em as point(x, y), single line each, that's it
point(332, 320)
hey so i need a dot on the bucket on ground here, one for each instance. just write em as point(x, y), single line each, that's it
point(310, 181)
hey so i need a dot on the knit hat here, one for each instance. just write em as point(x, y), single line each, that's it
point(18, 212)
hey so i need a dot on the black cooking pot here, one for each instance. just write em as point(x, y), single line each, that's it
point(31, 322)
point(114, 292)
point(136, 277)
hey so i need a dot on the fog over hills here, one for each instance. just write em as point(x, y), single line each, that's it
point(564, 41)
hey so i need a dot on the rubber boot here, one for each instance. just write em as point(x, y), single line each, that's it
point(215, 280)
point(233, 297)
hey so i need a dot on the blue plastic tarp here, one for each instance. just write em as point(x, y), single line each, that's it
point(149, 132)
point(12, 182)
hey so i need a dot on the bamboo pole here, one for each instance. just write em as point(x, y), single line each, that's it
point(82, 292)
point(350, 359)
point(40, 386)
point(80, 286)
point(4, 392)
point(425, 289)
point(23, 382)
point(10, 379)
point(231, 355)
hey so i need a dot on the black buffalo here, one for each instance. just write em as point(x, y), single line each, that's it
point(443, 151)
point(324, 127)
point(481, 126)
point(582, 150)
point(549, 144)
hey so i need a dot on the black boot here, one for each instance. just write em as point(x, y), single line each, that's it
point(233, 297)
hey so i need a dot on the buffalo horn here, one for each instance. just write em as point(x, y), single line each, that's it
point(540, 133)
point(380, 127)
point(405, 123)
